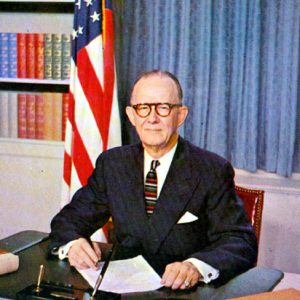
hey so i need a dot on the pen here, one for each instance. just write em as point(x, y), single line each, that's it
point(101, 275)
point(41, 274)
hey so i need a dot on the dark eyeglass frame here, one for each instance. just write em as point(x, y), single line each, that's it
point(156, 105)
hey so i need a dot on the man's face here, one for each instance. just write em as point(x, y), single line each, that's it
point(156, 132)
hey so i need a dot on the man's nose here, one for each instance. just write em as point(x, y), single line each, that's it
point(153, 116)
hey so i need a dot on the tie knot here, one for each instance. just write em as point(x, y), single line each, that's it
point(154, 164)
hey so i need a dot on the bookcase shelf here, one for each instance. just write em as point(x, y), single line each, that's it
point(41, 6)
point(36, 16)
point(34, 85)
point(31, 148)
point(37, 1)
point(34, 81)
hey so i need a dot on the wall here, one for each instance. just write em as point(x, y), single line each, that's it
point(30, 183)
point(30, 196)
point(280, 236)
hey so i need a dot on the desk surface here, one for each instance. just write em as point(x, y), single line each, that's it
point(30, 260)
point(59, 272)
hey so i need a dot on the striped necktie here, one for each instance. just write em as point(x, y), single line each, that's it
point(151, 188)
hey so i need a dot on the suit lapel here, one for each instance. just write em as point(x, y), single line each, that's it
point(135, 182)
point(173, 199)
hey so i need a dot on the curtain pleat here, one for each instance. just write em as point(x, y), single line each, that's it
point(197, 87)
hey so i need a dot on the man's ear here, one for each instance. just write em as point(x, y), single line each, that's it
point(182, 114)
point(130, 115)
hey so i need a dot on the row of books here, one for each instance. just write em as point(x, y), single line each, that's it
point(35, 55)
point(33, 116)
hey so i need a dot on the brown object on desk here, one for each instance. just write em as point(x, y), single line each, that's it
point(288, 294)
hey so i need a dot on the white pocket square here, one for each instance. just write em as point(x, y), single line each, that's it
point(187, 218)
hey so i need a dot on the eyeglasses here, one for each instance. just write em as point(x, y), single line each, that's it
point(162, 109)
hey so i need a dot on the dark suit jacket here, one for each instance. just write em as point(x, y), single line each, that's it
point(198, 181)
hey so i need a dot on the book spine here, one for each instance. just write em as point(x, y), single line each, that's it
point(13, 114)
point(65, 111)
point(30, 55)
point(48, 112)
point(4, 54)
point(12, 55)
point(57, 116)
point(66, 56)
point(56, 55)
point(4, 131)
point(48, 56)
point(39, 56)
point(21, 47)
point(39, 116)
point(22, 116)
point(30, 116)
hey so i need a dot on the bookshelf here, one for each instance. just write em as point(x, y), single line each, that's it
point(52, 16)
point(32, 169)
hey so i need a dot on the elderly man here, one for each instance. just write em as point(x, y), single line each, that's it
point(165, 196)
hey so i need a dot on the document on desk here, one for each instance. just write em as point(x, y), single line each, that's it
point(125, 276)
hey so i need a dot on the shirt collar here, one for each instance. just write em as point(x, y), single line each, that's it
point(164, 160)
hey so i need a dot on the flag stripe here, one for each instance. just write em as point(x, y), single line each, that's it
point(109, 55)
point(94, 95)
point(86, 124)
point(81, 160)
point(67, 168)
point(96, 57)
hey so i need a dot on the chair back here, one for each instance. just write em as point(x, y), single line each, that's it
point(253, 202)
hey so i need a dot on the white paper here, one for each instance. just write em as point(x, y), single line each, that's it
point(125, 276)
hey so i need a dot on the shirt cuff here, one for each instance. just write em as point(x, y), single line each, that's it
point(207, 271)
point(62, 251)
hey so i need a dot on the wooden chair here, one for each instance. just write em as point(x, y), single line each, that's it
point(253, 202)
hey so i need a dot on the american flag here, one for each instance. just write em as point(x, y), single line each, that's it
point(93, 123)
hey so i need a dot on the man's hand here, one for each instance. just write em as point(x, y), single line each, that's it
point(82, 255)
point(180, 275)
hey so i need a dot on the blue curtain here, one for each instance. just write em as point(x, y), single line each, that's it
point(238, 62)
